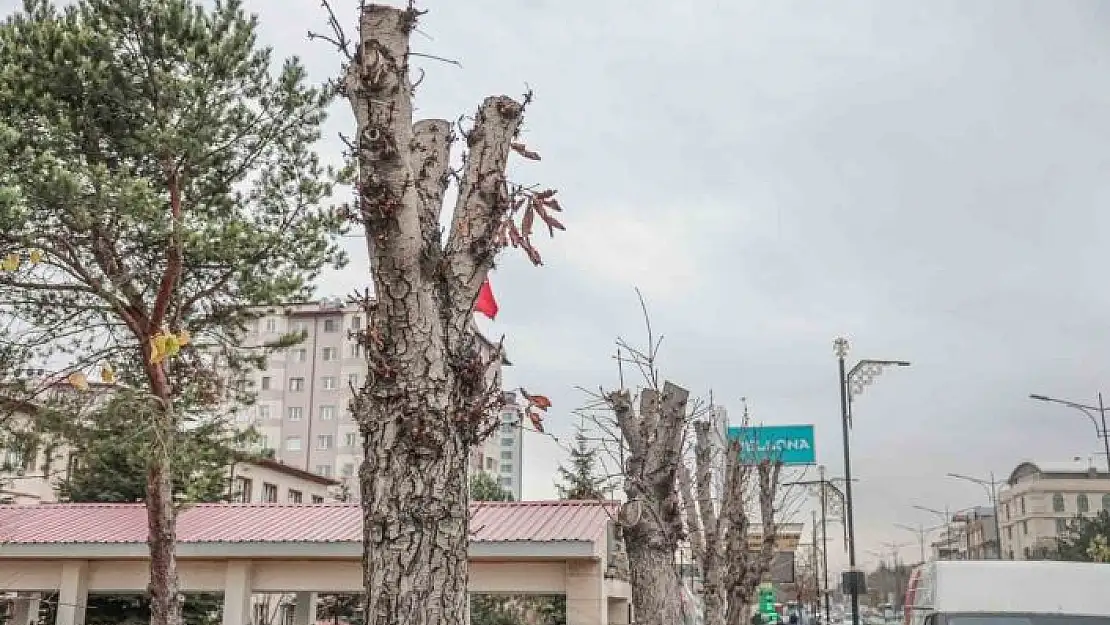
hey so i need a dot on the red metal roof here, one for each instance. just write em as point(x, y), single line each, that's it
point(542, 521)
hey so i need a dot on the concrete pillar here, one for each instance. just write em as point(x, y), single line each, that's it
point(25, 611)
point(238, 584)
point(619, 611)
point(73, 593)
point(304, 610)
point(586, 600)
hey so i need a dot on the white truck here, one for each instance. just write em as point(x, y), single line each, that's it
point(1008, 593)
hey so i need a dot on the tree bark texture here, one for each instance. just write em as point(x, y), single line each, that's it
point(427, 398)
point(652, 517)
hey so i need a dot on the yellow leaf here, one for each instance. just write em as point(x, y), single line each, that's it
point(172, 345)
point(183, 338)
point(11, 262)
point(107, 374)
point(78, 381)
point(36, 257)
point(157, 348)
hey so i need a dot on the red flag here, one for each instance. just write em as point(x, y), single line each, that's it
point(486, 304)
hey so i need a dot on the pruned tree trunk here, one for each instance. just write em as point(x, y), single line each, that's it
point(719, 529)
point(428, 398)
point(747, 570)
point(652, 517)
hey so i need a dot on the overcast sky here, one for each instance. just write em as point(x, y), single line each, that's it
point(927, 179)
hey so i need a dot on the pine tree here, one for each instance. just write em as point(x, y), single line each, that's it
point(581, 481)
point(157, 184)
point(484, 487)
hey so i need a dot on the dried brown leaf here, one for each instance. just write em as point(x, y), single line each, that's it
point(523, 150)
point(526, 223)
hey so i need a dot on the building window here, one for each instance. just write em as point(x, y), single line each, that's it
point(348, 469)
point(331, 325)
point(324, 442)
point(1106, 502)
point(265, 383)
point(271, 325)
point(1082, 504)
point(506, 428)
point(317, 498)
point(1025, 528)
point(506, 455)
point(328, 354)
point(1061, 526)
point(293, 443)
point(324, 470)
point(295, 496)
point(506, 468)
point(1010, 533)
point(506, 442)
point(1023, 505)
point(506, 481)
point(243, 488)
point(352, 380)
point(269, 493)
point(300, 355)
point(327, 413)
point(295, 413)
point(354, 350)
point(263, 441)
point(329, 383)
point(300, 327)
point(1057, 503)
point(350, 439)
point(490, 463)
point(263, 411)
point(296, 384)
point(356, 323)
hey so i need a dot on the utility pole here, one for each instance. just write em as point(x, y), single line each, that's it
point(824, 540)
point(852, 383)
point(825, 485)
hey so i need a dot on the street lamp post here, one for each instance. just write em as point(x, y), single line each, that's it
point(992, 491)
point(1100, 432)
point(920, 531)
point(943, 514)
point(852, 383)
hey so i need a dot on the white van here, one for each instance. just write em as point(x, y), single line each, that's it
point(1007, 592)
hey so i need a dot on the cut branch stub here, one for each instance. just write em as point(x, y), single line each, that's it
point(431, 157)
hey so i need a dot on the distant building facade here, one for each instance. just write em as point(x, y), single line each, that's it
point(509, 439)
point(1040, 499)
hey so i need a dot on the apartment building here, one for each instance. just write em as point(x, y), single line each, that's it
point(303, 396)
point(1041, 498)
point(510, 446)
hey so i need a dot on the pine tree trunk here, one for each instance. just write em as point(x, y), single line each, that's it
point(165, 609)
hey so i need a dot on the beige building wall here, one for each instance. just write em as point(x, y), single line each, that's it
point(272, 482)
point(34, 480)
point(303, 395)
point(1040, 499)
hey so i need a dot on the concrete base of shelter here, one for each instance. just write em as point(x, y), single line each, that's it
point(591, 598)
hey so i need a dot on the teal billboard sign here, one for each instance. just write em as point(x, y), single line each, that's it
point(788, 444)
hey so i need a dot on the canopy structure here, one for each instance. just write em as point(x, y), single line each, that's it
point(537, 547)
